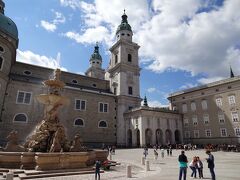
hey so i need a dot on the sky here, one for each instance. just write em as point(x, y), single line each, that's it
point(184, 43)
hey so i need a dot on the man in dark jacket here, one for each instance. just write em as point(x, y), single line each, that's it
point(210, 161)
point(97, 170)
point(182, 159)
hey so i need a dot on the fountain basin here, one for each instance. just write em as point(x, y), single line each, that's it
point(51, 161)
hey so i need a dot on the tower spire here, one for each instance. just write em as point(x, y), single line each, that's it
point(145, 103)
point(231, 72)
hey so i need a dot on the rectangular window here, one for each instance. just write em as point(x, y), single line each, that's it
point(221, 118)
point(237, 131)
point(219, 102)
point(103, 107)
point(187, 134)
point(80, 104)
point(130, 91)
point(185, 122)
point(231, 100)
point(184, 108)
point(223, 132)
point(204, 104)
point(235, 116)
point(193, 106)
point(195, 120)
point(208, 133)
point(24, 97)
point(206, 119)
point(196, 133)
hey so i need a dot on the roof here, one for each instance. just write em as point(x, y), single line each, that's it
point(8, 26)
point(213, 84)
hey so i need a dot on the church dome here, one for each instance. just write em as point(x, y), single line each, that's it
point(124, 24)
point(8, 26)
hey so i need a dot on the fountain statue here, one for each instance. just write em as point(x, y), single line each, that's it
point(49, 136)
point(47, 148)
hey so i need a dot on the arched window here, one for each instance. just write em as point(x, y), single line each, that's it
point(27, 72)
point(129, 58)
point(102, 124)
point(193, 106)
point(204, 104)
point(20, 117)
point(79, 122)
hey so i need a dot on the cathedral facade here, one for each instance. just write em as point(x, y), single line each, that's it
point(104, 104)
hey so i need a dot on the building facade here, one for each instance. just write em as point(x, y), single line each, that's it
point(210, 112)
point(98, 100)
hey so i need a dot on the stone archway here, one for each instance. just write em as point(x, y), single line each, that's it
point(168, 135)
point(148, 137)
point(177, 137)
point(129, 138)
point(159, 137)
point(138, 137)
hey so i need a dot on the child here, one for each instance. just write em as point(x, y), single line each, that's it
point(200, 167)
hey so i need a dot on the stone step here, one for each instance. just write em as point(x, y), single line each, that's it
point(46, 175)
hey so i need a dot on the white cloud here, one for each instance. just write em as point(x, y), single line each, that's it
point(48, 26)
point(209, 80)
point(52, 26)
point(91, 35)
point(173, 35)
point(151, 90)
point(31, 58)
point(155, 103)
point(188, 85)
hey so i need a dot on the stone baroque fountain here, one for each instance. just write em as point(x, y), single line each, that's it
point(47, 147)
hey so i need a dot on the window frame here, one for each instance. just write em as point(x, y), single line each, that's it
point(129, 58)
point(102, 121)
point(130, 90)
point(193, 106)
point(25, 92)
point(232, 100)
point(221, 130)
point(221, 114)
point(218, 102)
point(208, 131)
point(204, 104)
point(233, 116)
point(75, 107)
point(184, 122)
point(24, 122)
point(196, 132)
point(74, 123)
point(103, 107)
point(206, 119)
point(237, 132)
point(184, 110)
point(195, 123)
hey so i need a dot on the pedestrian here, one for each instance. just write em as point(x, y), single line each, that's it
point(182, 159)
point(162, 153)
point(210, 161)
point(97, 169)
point(200, 168)
point(193, 167)
point(167, 152)
point(170, 151)
point(145, 152)
point(155, 154)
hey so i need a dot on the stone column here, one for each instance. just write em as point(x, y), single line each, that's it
point(147, 167)
point(129, 171)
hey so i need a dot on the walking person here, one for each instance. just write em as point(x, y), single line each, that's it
point(182, 159)
point(170, 151)
point(193, 166)
point(97, 170)
point(155, 154)
point(167, 152)
point(210, 161)
point(145, 152)
point(200, 168)
point(162, 153)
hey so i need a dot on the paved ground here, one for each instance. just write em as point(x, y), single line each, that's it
point(227, 166)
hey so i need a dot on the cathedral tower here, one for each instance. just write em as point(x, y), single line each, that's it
point(123, 73)
point(8, 47)
point(95, 70)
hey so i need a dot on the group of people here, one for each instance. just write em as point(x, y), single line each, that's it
point(195, 165)
point(162, 151)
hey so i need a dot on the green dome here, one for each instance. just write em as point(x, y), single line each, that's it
point(124, 24)
point(8, 26)
point(96, 54)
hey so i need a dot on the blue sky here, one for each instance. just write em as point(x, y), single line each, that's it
point(183, 43)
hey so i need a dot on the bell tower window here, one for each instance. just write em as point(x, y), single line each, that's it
point(130, 90)
point(129, 58)
point(116, 59)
